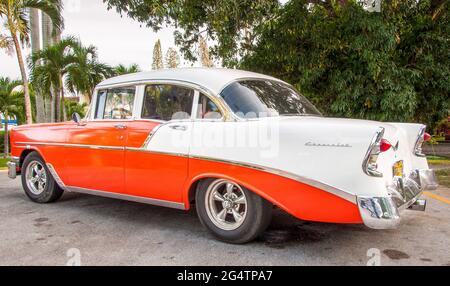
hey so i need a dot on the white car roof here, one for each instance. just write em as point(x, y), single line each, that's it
point(213, 79)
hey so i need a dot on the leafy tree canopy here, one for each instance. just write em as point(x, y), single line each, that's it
point(392, 66)
point(227, 22)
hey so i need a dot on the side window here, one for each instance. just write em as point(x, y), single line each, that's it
point(207, 109)
point(167, 102)
point(116, 103)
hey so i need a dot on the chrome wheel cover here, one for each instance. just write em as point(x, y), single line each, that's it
point(226, 204)
point(36, 177)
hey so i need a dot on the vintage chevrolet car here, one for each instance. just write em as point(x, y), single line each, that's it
point(234, 144)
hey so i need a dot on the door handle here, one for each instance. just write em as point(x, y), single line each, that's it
point(179, 127)
point(120, 126)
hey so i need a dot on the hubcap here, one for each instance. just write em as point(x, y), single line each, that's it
point(226, 204)
point(36, 177)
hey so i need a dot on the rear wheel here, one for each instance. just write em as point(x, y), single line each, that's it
point(231, 212)
point(37, 181)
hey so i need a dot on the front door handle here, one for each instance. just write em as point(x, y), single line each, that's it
point(120, 126)
point(179, 127)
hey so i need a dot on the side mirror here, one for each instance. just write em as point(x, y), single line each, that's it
point(76, 118)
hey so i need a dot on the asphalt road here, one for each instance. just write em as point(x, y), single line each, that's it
point(104, 231)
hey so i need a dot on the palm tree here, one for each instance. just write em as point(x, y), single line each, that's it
point(122, 69)
point(15, 13)
point(11, 101)
point(48, 66)
point(86, 71)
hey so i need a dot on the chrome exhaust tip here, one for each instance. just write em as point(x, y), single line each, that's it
point(418, 205)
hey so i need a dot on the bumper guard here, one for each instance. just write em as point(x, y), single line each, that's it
point(384, 212)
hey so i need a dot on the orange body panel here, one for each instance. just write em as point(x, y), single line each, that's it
point(162, 176)
point(152, 175)
point(300, 200)
point(96, 169)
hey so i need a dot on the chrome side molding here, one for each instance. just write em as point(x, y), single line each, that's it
point(56, 177)
point(301, 179)
point(97, 147)
point(314, 183)
point(130, 198)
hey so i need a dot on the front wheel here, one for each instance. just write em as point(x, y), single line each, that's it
point(231, 212)
point(37, 181)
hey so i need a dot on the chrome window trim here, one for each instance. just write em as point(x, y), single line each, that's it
point(223, 106)
point(94, 102)
point(144, 87)
point(237, 118)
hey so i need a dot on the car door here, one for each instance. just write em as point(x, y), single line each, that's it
point(97, 156)
point(156, 160)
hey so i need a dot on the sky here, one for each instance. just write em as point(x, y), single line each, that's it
point(118, 39)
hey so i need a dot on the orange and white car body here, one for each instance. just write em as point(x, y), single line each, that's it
point(314, 168)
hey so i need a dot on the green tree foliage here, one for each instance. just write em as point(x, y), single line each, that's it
point(172, 58)
point(16, 19)
point(71, 61)
point(391, 66)
point(205, 57)
point(157, 56)
point(75, 107)
point(229, 23)
point(11, 104)
point(122, 69)
point(85, 70)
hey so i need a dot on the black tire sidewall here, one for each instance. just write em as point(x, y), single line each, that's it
point(50, 192)
point(256, 221)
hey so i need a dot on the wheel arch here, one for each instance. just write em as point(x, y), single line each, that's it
point(192, 187)
point(26, 152)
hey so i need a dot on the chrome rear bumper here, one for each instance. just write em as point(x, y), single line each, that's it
point(384, 212)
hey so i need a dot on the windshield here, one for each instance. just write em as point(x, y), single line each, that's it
point(265, 98)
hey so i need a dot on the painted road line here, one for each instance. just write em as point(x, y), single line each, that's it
point(439, 198)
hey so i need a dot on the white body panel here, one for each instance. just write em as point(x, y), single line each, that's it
point(291, 144)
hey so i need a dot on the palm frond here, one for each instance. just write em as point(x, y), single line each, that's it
point(52, 8)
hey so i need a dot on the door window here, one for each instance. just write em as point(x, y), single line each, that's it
point(207, 109)
point(116, 103)
point(167, 102)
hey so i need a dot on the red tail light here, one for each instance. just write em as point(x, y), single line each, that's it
point(426, 137)
point(385, 145)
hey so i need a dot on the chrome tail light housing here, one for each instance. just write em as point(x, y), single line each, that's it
point(421, 138)
point(369, 165)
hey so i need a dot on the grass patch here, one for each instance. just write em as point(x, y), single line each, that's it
point(443, 177)
point(437, 160)
point(3, 162)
